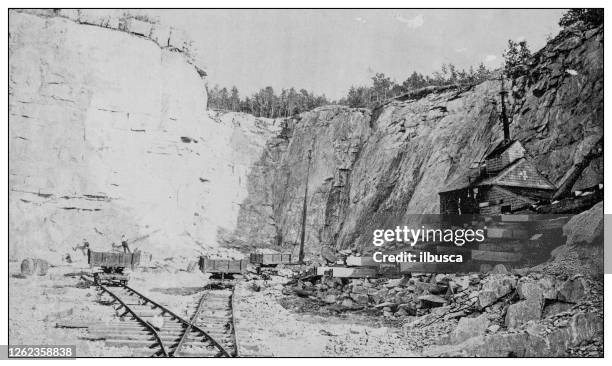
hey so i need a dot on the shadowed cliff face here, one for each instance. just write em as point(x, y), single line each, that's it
point(372, 170)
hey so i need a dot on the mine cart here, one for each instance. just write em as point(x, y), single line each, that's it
point(223, 267)
point(110, 266)
point(272, 259)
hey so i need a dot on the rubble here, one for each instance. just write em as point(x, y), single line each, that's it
point(573, 290)
point(524, 311)
point(470, 327)
point(502, 313)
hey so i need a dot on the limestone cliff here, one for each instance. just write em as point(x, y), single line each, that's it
point(109, 134)
point(373, 169)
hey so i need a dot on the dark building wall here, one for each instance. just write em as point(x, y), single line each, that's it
point(461, 201)
point(499, 198)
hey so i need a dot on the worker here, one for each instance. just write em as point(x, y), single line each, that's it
point(83, 248)
point(124, 244)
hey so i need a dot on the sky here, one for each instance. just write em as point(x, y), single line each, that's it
point(327, 51)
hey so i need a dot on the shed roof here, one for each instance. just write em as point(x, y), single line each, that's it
point(520, 173)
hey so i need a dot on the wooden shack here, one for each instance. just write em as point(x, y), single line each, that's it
point(506, 182)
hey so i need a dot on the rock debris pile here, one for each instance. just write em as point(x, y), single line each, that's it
point(564, 313)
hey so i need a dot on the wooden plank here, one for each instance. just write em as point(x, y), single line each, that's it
point(361, 261)
point(405, 267)
point(551, 224)
point(488, 256)
point(518, 218)
point(72, 325)
point(506, 233)
point(348, 272)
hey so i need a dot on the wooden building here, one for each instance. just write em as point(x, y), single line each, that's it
point(506, 182)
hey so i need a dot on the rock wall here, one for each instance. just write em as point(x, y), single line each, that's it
point(375, 169)
point(113, 136)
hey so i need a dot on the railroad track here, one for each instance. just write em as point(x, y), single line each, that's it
point(155, 330)
point(214, 312)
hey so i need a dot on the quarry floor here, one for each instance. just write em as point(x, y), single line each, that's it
point(264, 326)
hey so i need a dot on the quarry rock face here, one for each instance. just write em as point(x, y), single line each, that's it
point(113, 137)
point(558, 109)
point(398, 157)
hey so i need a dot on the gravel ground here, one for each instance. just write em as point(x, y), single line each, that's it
point(37, 304)
point(276, 331)
point(265, 327)
point(268, 321)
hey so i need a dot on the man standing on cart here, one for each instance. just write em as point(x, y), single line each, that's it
point(124, 244)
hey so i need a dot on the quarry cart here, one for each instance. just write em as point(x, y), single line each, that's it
point(223, 268)
point(110, 266)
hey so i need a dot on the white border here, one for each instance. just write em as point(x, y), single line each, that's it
point(294, 4)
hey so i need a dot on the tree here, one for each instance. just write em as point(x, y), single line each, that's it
point(381, 85)
point(591, 18)
point(357, 97)
point(516, 59)
point(234, 99)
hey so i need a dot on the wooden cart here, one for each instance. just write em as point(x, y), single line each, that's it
point(110, 266)
point(223, 267)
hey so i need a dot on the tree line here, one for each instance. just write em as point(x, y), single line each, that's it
point(267, 103)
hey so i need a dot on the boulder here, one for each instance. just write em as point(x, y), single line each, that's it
point(499, 269)
point(523, 311)
point(586, 228)
point(360, 298)
point(496, 287)
point(431, 301)
point(530, 290)
point(556, 308)
point(31, 266)
point(328, 254)
point(378, 296)
point(401, 312)
point(329, 299)
point(348, 303)
point(549, 287)
point(410, 309)
point(395, 282)
point(572, 290)
point(470, 327)
point(359, 290)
